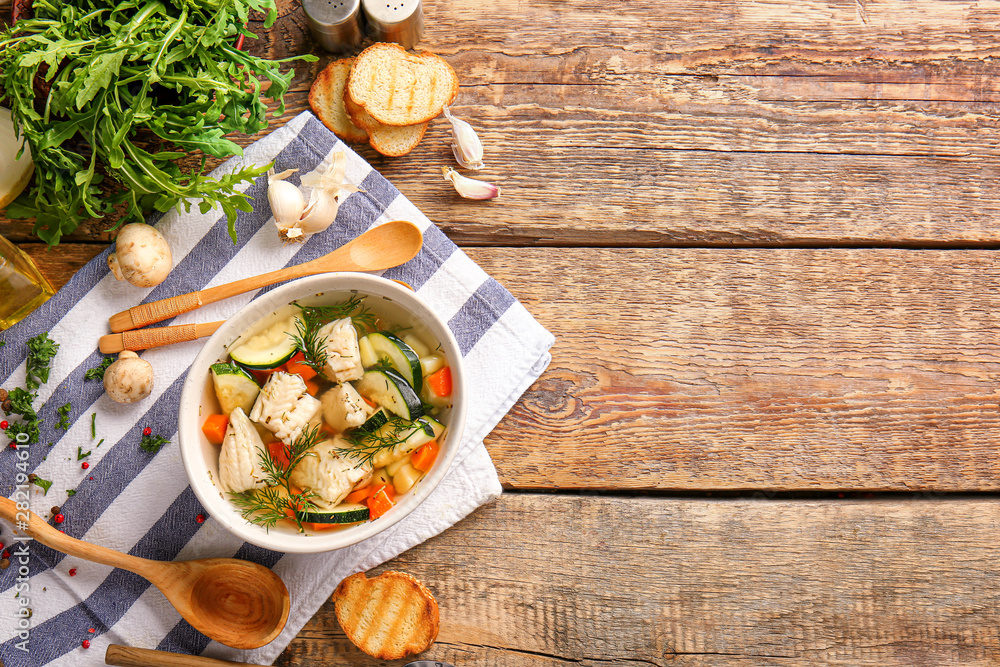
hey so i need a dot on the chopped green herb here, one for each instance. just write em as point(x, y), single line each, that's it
point(93, 426)
point(80, 454)
point(97, 373)
point(21, 404)
point(38, 481)
point(64, 416)
point(70, 492)
point(152, 443)
point(365, 445)
point(100, 441)
point(2, 343)
point(41, 350)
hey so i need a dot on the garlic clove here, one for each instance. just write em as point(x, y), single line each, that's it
point(465, 143)
point(287, 202)
point(470, 188)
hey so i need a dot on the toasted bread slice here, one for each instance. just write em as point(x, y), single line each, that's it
point(326, 97)
point(400, 88)
point(390, 140)
point(390, 617)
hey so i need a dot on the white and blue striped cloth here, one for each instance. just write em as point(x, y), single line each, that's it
point(140, 503)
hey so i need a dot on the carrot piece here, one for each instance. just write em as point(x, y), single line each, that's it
point(312, 387)
point(278, 454)
point(381, 501)
point(262, 376)
point(370, 402)
point(321, 526)
point(360, 495)
point(215, 427)
point(440, 381)
point(298, 366)
point(423, 458)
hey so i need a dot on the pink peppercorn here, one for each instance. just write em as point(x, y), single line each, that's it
point(72, 572)
point(4, 424)
point(91, 631)
point(86, 643)
point(200, 518)
point(147, 431)
point(84, 465)
point(59, 518)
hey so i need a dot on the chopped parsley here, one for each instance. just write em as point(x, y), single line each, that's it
point(70, 492)
point(152, 443)
point(64, 416)
point(80, 454)
point(97, 373)
point(41, 350)
point(21, 404)
point(38, 481)
point(93, 425)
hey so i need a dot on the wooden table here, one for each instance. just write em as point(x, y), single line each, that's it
point(764, 235)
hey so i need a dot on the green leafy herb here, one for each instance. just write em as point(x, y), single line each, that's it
point(366, 445)
point(99, 442)
point(97, 372)
point(93, 425)
point(80, 454)
point(3, 343)
point(38, 481)
point(21, 404)
point(41, 350)
point(70, 492)
point(313, 318)
point(151, 443)
point(110, 94)
point(64, 416)
point(277, 501)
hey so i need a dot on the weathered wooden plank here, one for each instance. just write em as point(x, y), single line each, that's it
point(749, 369)
point(700, 582)
point(756, 369)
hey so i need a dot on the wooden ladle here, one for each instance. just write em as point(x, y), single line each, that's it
point(382, 247)
point(234, 602)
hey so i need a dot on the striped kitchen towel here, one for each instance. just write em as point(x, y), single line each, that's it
point(138, 502)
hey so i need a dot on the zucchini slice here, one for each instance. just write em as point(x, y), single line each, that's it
point(400, 355)
point(368, 356)
point(234, 387)
point(392, 392)
point(342, 513)
point(422, 431)
point(375, 422)
point(268, 349)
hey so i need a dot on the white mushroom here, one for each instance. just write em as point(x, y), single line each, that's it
point(129, 379)
point(142, 256)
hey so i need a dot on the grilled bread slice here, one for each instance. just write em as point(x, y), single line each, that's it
point(390, 617)
point(388, 140)
point(400, 88)
point(326, 97)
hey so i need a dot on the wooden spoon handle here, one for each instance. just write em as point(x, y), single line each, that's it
point(144, 339)
point(155, 311)
point(126, 656)
point(34, 526)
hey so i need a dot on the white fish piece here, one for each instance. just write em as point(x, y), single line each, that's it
point(240, 466)
point(284, 406)
point(343, 407)
point(330, 475)
point(343, 356)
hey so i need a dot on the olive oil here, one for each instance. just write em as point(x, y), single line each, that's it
point(22, 287)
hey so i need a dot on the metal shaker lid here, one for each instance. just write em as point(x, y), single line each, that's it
point(400, 21)
point(335, 24)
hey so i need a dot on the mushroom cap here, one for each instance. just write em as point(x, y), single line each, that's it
point(142, 256)
point(129, 379)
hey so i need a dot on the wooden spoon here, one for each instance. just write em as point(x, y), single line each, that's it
point(235, 602)
point(383, 247)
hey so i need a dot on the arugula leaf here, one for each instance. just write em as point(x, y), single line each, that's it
point(134, 83)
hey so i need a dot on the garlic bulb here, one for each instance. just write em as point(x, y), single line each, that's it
point(300, 220)
point(465, 143)
point(287, 202)
point(470, 188)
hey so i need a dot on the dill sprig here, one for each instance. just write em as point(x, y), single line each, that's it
point(277, 501)
point(312, 318)
point(366, 445)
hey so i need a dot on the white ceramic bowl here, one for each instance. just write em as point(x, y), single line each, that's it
point(201, 458)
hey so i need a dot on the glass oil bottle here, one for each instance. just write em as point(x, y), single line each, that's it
point(22, 287)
